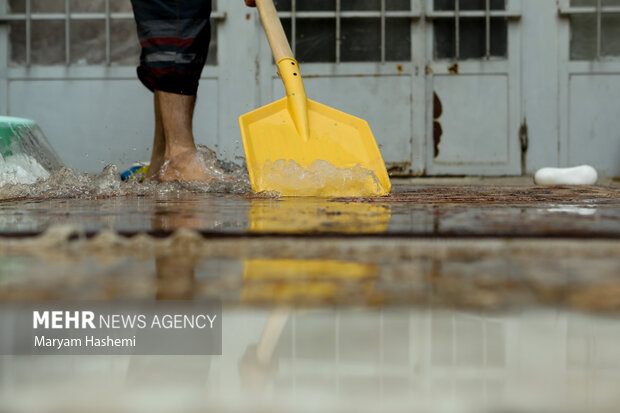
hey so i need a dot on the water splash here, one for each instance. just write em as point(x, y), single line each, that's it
point(24, 137)
point(321, 179)
point(25, 153)
point(287, 178)
point(21, 169)
point(66, 183)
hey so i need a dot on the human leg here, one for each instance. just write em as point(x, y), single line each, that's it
point(182, 161)
point(159, 142)
point(174, 44)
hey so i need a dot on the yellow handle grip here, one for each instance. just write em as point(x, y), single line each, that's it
point(287, 66)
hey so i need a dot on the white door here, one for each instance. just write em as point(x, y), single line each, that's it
point(473, 87)
point(363, 57)
point(590, 84)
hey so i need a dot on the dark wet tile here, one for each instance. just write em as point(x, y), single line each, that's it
point(436, 210)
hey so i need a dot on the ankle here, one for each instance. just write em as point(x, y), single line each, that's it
point(179, 150)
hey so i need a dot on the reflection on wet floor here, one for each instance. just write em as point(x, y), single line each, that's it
point(313, 272)
point(291, 281)
point(350, 361)
point(445, 211)
point(298, 216)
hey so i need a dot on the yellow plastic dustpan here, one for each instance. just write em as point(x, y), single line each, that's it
point(306, 134)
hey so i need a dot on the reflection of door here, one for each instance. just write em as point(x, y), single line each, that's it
point(473, 84)
point(590, 84)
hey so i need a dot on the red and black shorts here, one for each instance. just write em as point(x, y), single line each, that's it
point(174, 35)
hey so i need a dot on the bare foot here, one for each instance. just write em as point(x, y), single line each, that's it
point(186, 167)
point(154, 167)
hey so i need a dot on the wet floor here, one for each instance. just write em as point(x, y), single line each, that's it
point(447, 298)
point(491, 274)
point(413, 210)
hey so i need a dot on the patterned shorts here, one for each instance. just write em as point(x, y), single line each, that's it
point(174, 35)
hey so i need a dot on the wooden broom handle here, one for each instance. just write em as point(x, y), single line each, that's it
point(280, 47)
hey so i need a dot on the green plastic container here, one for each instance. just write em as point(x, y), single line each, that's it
point(24, 136)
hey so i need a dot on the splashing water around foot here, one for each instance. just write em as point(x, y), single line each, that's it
point(65, 183)
point(30, 168)
point(27, 179)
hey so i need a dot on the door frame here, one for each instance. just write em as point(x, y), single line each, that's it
point(416, 160)
point(570, 68)
point(510, 67)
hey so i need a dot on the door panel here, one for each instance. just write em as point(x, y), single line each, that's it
point(473, 87)
point(93, 123)
point(589, 85)
point(88, 122)
point(474, 122)
point(594, 124)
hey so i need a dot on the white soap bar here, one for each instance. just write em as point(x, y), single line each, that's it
point(579, 175)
